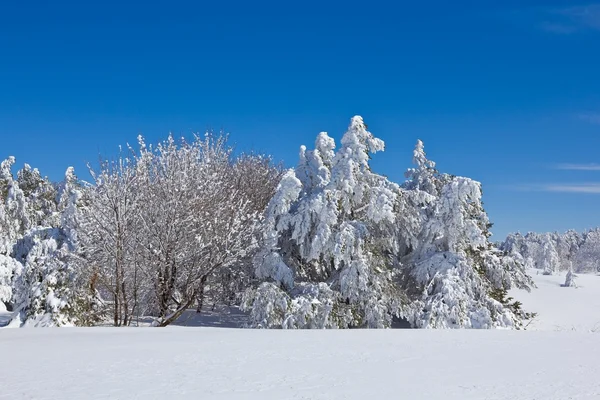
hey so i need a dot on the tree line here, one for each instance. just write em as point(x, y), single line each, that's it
point(328, 244)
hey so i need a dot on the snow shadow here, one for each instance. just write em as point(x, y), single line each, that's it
point(220, 317)
point(5, 318)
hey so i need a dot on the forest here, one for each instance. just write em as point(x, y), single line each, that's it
point(167, 227)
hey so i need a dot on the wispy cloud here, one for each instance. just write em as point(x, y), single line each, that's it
point(558, 28)
point(592, 118)
point(579, 167)
point(593, 188)
point(588, 16)
point(569, 20)
point(585, 188)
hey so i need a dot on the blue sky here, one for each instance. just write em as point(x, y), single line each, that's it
point(507, 94)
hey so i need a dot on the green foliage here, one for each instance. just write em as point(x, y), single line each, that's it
point(501, 296)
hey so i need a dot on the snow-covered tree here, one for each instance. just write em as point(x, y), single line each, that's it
point(550, 259)
point(587, 257)
point(14, 222)
point(326, 258)
point(41, 196)
point(424, 176)
point(256, 177)
point(570, 279)
point(463, 277)
point(109, 229)
point(171, 223)
point(49, 287)
point(42, 292)
point(345, 247)
point(8, 266)
point(14, 215)
point(553, 252)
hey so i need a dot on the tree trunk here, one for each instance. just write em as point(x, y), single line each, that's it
point(200, 296)
point(173, 317)
point(125, 312)
point(116, 310)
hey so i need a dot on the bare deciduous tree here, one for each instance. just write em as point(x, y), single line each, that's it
point(173, 222)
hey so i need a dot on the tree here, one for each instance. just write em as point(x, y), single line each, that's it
point(587, 258)
point(424, 176)
point(109, 230)
point(256, 177)
point(550, 259)
point(570, 279)
point(550, 252)
point(170, 223)
point(49, 288)
point(14, 222)
point(345, 247)
point(460, 273)
point(325, 259)
point(42, 197)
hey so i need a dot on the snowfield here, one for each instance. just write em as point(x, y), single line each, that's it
point(207, 363)
point(561, 308)
point(558, 358)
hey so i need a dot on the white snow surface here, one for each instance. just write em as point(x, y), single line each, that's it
point(562, 308)
point(556, 359)
point(207, 363)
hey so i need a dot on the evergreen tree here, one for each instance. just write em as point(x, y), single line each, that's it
point(325, 260)
point(13, 223)
point(570, 279)
point(49, 288)
point(345, 247)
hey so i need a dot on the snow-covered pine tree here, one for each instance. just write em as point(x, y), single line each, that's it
point(41, 197)
point(587, 257)
point(552, 252)
point(15, 215)
point(550, 259)
point(463, 277)
point(571, 278)
point(14, 222)
point(424, 176)
point(49, 287)
point(342, 242)
point(327, 259)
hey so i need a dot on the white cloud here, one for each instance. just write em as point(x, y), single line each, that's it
point(586, 16)
point(593, 188)
point(558, 28)
point(592, 118)
point(579, 167)
point(586, 188)
point(569, 20)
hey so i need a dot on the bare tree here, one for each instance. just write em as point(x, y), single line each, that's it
point(196, 220)
point(109, 226)
point(173, 222)
point(256, 176)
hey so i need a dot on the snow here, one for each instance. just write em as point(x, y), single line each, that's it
point(5, 316)
point(213, 363)
point(562, 308)
point(556, 358)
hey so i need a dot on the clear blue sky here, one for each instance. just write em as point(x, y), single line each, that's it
point(506, 94)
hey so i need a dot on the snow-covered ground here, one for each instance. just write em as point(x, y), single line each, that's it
point(558, 358)
point(563, 308)
point(212, 363)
